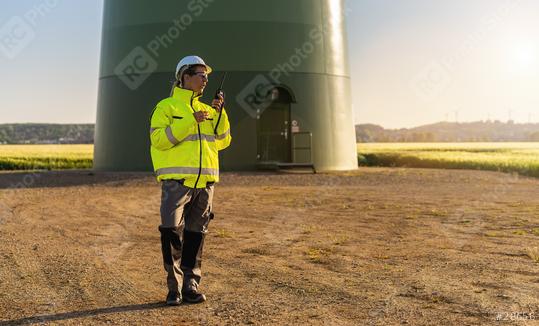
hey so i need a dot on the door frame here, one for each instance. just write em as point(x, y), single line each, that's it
point(285, 96)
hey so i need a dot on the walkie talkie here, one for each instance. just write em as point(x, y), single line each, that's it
point(216, 97)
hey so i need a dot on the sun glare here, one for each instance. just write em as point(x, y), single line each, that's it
point(524, 56)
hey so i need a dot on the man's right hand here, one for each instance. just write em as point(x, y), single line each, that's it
point(201, 116)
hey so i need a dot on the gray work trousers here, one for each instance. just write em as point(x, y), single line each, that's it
point(185, 216)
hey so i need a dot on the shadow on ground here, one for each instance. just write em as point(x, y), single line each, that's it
point(65, 178)
point(72, 178)
point(82, 314)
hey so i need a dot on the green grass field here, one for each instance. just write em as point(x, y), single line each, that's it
point(522, 158)
point(48, 157)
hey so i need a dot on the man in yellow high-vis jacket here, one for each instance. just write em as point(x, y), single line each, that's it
point(186, 136)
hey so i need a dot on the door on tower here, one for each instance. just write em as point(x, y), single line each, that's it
point(274, 138)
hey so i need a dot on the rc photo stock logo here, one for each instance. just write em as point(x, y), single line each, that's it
point(15, 36)
point(431, 81)
point(135, 68)
point(19, 31)
point(253, 98)
point(141, 62)
point(256, 96)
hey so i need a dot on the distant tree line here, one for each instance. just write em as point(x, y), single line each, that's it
point(481, 131)
point(37, 133)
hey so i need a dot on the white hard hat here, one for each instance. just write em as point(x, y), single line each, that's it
point(192, 60)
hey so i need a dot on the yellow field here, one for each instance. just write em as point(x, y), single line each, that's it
point(26, 157)
point(522, 158)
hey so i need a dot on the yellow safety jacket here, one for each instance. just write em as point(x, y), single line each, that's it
point(181, 148)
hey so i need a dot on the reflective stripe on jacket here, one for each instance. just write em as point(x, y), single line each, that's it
point(181, 148)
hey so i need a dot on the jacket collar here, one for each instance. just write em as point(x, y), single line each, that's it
point(184, 94)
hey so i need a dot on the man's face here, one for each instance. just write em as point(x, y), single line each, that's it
point(198, 81)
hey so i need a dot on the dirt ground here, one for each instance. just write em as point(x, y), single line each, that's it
point(374, 246)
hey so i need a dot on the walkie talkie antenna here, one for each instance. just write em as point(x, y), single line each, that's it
point(222, 82)
point(216, 97)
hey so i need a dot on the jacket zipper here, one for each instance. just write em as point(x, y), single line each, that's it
point(199, 145)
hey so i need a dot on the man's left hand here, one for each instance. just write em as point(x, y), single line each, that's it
point(217, 103)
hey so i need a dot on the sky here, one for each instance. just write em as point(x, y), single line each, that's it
point(413, 62)
point(52, 76)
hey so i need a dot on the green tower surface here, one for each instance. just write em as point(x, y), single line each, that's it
point(288, 85)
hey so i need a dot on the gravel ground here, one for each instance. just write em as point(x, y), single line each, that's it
point(374, 246)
